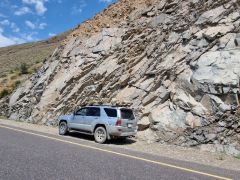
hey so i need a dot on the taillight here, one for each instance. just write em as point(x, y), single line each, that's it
point(119, 122)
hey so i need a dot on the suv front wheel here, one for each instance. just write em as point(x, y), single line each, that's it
point(100, 135)
point(63, 128)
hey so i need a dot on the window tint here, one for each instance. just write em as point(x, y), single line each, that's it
point(111, 112)
point(127, 114)
point(93, 111)
point(81, 112)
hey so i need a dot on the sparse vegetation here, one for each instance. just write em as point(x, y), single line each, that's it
point(3, 76)
point(23, 69)
point(220, 156)
point(4, 93)
point(14, 76)
point(16, 83)
point(237, 156)
point(20, 61)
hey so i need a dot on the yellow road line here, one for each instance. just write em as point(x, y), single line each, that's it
point(121, 154)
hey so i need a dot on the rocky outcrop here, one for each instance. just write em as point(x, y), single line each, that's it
point(175, 62)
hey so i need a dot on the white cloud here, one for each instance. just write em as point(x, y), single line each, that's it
point(5, 41)
point(29, 37)
point(1, 30)
point(22, 11)
point(14, 27)
point(51, 34)
point(5, 22)
point(39, 5)
point(42, 25)
point(33, 26)
point(30, 24)
point(8, 41)
point(105, 1)
point(2, 15)
point(78, 8)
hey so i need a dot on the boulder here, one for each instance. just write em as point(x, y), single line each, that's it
point(218, 68)
point(193, 121)
point(168, 118)
point(188, 103)
point(161, 19)
point(211, 33)
point(219, 104)
point(147, 135)
point(143, 124)
point(149, 98)
point(211, 16)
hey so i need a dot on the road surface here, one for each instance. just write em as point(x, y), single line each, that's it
point(26, 154)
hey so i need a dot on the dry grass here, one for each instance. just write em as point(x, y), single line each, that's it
point(31, 54)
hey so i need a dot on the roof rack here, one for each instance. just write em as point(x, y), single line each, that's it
point(101, 105)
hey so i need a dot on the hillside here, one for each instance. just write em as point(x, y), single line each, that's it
point(31, 54)
point(12, 56)
point(175, 62)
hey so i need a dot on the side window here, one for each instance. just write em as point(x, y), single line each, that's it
point(93, 112)
point(82, 112)
point(111, 112)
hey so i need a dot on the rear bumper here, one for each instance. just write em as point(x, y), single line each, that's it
point(121, 131)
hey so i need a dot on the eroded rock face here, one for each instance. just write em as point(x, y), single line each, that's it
point(177, 64)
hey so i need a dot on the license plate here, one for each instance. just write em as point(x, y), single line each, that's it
point(130, 125)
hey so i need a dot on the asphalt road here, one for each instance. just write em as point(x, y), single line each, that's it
point(32, 155)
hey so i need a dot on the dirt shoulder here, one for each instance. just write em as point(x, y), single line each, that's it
point(169, 151)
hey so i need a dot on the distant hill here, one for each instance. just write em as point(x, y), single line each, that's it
point(12, 57)
point(29, 56)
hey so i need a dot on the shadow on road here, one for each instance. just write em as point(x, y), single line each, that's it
point(117, 141)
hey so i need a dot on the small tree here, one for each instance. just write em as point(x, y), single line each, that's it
point(23, 68)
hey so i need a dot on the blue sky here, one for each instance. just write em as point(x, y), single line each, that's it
point(24, 21)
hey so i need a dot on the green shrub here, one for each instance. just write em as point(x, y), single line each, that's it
point(13, 77)
point(4, 93)
point(23, 68)
point(237, 156)
point(16, 83)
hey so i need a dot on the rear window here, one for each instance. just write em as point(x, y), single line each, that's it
point(111, 112)
point(127, 114)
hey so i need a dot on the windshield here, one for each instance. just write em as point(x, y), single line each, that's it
point(127, 114)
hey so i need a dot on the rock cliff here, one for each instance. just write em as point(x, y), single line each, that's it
point(176, 62)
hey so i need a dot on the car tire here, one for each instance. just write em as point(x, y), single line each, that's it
point(63, 128)
point(100, 135)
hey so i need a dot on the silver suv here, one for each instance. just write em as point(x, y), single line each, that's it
point(104, 122)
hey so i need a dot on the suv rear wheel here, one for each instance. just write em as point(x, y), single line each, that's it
point(63, 128)
point(100, 135)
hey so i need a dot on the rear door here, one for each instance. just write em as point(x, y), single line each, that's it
point(128, 118)
point(112, 115)
point(92, 116)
